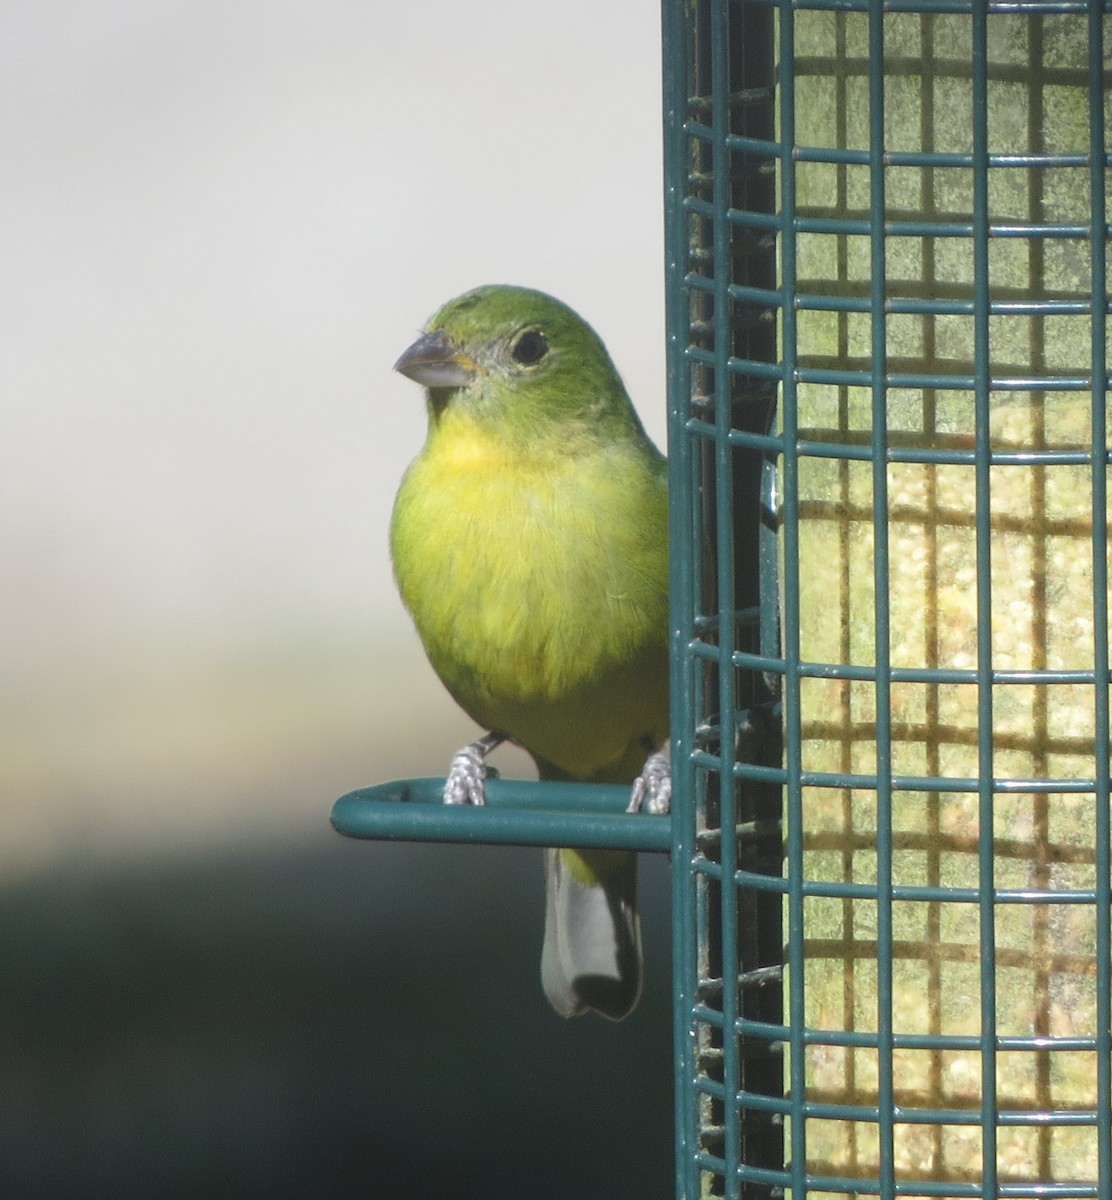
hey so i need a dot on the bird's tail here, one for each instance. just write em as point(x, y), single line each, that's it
point(592, 933)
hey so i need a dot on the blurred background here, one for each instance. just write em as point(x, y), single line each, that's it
point(220, 224)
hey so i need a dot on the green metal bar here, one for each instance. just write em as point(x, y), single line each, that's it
point(881, 602)
point(897, 227)
point(682, 539)
point(854, 452)
point(906, 379)
point(866, 674)
point(920, 893)
point(864, 1186)
point(789, 519)
point(909, 783)
point(983, 513)
point(724, 564)
point(932, 1041)
point(869, 1114)
point(900, 158)
point(517, 813)
point(1103, 823)
point(956, 307)
point(959, 7)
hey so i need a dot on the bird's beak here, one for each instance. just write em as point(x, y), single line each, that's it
point(435, 361)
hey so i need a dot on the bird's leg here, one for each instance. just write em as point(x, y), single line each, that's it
point(652, 789)
point(469, 771)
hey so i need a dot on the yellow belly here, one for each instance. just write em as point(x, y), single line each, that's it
point(540, 593)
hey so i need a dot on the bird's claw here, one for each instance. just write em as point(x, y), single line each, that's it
point(469, 771)
point(652, 789)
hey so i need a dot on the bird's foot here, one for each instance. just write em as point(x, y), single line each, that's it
point(469, 771)
point(652, 789)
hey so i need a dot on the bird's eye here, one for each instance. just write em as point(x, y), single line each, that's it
point(530, 348)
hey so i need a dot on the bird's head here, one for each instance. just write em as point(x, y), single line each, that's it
point(517, 358)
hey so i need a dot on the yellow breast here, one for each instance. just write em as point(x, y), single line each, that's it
point(538, 584)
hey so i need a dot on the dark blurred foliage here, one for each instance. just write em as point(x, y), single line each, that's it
point(340, 1020)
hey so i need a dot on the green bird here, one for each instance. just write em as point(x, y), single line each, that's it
point(530, 544)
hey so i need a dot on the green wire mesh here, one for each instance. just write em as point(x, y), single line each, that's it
point(888, 338)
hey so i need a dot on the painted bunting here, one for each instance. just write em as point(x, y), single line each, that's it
point(530, 544)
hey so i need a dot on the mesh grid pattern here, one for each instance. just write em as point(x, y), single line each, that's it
point(888, 329)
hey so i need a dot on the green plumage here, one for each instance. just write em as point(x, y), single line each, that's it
point(529, 541)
